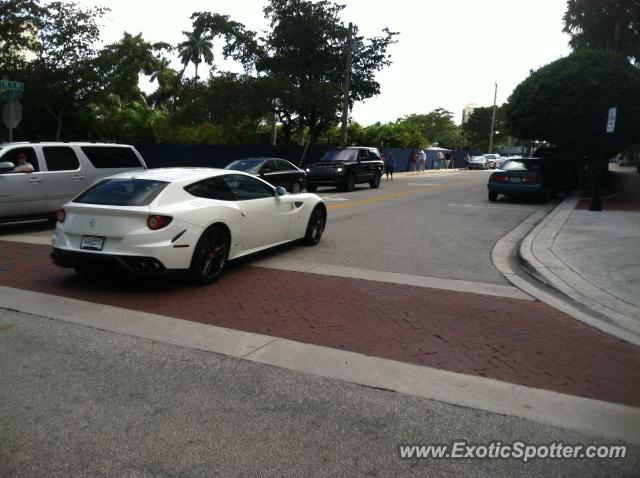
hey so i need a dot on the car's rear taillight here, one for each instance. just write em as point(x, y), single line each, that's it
point(532, 179)
point(155, 221)
point(498, 178)
point(60, 215)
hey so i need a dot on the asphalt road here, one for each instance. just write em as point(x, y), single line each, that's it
point(79, 402)
point(433, 225)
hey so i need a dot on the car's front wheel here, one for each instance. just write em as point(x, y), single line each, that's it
point(295, 188)
point(349, 183)
point(375, 182)
point(210, 256)
point(315, 227)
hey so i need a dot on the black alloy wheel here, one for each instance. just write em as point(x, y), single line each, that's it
point(210, 256)
point(349, 184)
point(315, 228)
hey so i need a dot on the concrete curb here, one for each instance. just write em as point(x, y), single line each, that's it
point(597, 418)
point(604, 311)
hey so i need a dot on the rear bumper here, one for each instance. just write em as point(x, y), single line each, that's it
point(138, 265)
point(516, 189)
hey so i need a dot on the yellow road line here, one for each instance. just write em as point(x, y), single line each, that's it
point(398, 195)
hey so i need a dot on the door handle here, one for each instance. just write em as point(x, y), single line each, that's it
point(77, 178)
point(35, 180)
point(244, 214)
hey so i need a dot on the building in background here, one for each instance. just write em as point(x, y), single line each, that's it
point(467, 111)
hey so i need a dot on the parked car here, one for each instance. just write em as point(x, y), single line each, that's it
point(60, 172)
point(533, 177)
point(180, 219)
point(478, 162)
point(346, 167)
point(492, 160)
point(276, 171)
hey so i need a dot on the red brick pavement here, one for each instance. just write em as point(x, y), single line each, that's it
point(623, 193)
point(527, 343)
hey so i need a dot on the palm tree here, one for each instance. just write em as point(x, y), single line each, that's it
point(195, 49)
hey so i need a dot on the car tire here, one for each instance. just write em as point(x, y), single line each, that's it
point(349, 183)
point(311, 188)
point(493, 196)
point(295, 188)
point(316, 225)
point(375, 182)
point(210, 256)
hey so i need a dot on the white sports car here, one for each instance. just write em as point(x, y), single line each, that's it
point(189, 219)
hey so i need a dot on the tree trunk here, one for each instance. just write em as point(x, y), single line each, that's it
point(58, 120)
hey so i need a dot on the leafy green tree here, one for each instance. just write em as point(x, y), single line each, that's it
point(566, 102)
point(60, 80)
point(20, 20)
point(120, 65)
point(605, 25)
point(195, 49)
point(438, 126)
point(477, 128)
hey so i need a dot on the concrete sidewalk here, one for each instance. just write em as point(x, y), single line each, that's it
point(592, 257)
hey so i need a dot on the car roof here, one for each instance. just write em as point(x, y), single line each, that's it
point(57, 143)
point(173, 175)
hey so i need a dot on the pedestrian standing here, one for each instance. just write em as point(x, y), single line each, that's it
point(447, 160)
point(440, 159)
point(466, 161)
point(422, 158)
point(412, 160)
point(389, 165)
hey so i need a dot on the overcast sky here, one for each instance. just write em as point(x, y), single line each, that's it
point(449, 52)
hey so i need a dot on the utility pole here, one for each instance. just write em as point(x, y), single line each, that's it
point(493, 118)
point(345, 99)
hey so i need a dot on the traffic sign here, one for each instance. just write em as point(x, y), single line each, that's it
point(6, 85)
point(611, 120)
point(12, 114)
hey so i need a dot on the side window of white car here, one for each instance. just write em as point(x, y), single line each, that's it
point(60, 158)
point(212, 188)
point(245, 187)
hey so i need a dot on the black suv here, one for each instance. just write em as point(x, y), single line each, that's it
point(346, 167)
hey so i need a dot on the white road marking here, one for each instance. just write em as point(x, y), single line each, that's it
point(334, 198)
point(422, 184)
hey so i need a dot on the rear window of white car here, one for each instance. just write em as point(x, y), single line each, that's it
point(103, 157)
point(122, 192)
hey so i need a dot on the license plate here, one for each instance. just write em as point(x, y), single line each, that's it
point(93, 243)
point(515, 180)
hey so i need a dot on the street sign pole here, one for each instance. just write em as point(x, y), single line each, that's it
point(10, 125)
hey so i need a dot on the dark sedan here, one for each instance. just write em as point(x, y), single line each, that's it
point(276, 171)
point(532, 177)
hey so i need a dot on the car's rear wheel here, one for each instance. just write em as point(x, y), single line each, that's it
point(375, 182)
point(315, 228)
point(295, 188)
point(493, 196)
point(210, 256)
point(311, 188)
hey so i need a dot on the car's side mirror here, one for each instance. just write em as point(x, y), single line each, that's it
point(280, 191)
point(6, 167)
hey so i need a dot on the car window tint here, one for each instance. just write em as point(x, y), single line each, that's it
point(269, 166)
point(212, 188)
point(246, 188)
point(284, 165)
point(12, 155)
point(60, 158)
point(363, 154)
point(103, 157)
point(373, 155)
point(122, 192)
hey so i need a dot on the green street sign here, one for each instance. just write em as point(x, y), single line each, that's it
point(11, 90)
point(6, 85)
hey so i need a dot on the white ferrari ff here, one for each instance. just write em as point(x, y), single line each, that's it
point(189, 219)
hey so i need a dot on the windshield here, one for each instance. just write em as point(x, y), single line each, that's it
point(122, 192)
point(247, 165)
point(340, 155)
point(478, 158)
point(522, 165)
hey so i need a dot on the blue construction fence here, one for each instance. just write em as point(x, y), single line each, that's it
point(403, 156)
point(218, 156)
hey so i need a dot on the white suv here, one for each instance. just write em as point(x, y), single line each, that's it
point(61, 171)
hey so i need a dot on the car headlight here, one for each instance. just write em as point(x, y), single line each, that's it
point(307, 170)
point(338, 170)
